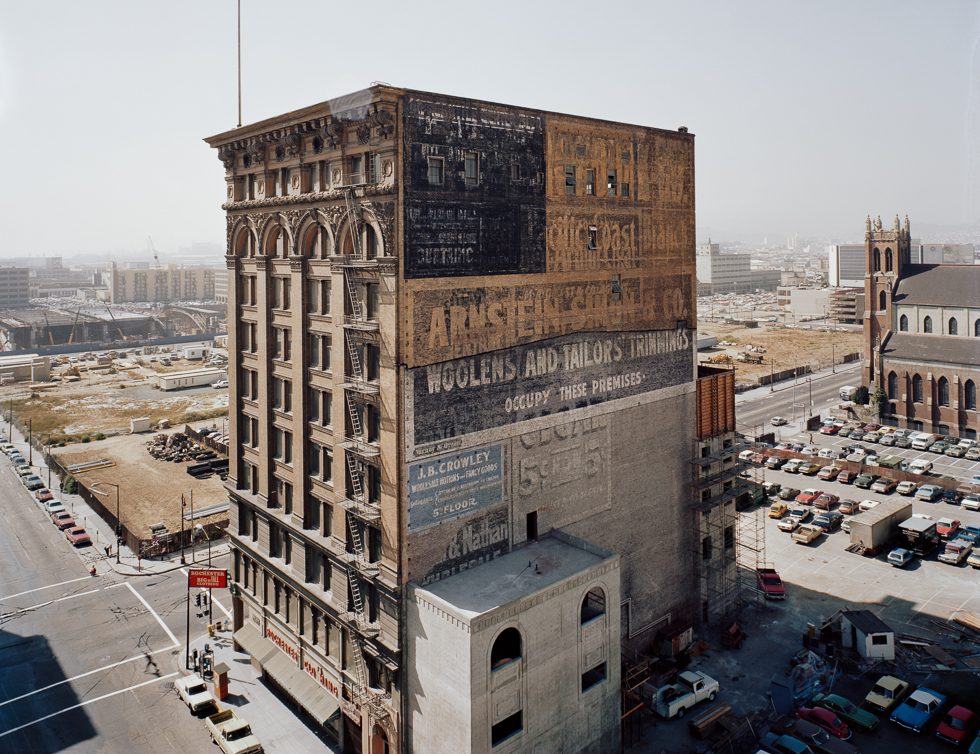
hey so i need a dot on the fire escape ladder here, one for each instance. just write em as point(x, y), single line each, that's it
point(355, 536)
point(353, 221)
point(356, 310)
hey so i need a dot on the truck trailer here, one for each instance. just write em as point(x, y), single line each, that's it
point(875, 529)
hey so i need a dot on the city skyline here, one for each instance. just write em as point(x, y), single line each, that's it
point(802, 124)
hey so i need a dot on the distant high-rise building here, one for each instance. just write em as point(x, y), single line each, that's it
point(731, 272)
point(15, 287)
point(161, 284)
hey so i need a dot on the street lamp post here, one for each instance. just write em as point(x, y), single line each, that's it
point(30, 442)
point(118, 521)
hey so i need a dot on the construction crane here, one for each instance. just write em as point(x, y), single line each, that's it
point(71, 338)
point(47, 327)
point(151, 247)
point(122, 337)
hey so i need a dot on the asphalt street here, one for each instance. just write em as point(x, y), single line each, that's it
point(86, 663)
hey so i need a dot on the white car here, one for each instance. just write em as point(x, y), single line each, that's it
point(906, 488)
point(971, 503)
point(193, 691)
point(53, 506)
point(778, 421)
point(220, 384)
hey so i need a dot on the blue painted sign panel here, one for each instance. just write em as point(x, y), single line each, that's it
point(453, 485)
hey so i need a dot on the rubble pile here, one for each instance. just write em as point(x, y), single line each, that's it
point(177, 448)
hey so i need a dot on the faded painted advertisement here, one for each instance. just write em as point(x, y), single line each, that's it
point(471, 320)
point(475, 541)
point(508, 386)
point(454, 485)
point(563, 469)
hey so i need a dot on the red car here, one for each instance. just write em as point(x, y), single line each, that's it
point(826, 719)
point(43, 495)
point(770, 584)
point(947, 527)
point(957, 725)
point(808, 496)
point(78, 536)
point(848, 506)
point(826, 501)
point(871, 428)
point(63, 520)
point(846, 477)
point(829, 429)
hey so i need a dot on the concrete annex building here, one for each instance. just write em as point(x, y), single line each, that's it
point(922, 335)
point(464, 376)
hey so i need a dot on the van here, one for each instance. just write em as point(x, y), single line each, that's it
point(923, 441)
point(920, 466)
point(847, 392)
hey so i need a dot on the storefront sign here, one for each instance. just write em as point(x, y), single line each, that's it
point(319, 674)
point(276, 638)
point(454, 485)
point(207, 578)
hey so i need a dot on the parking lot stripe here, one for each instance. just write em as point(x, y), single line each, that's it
point(87, 702)
point(86, 673)
point(153, 613)
point(42, 588)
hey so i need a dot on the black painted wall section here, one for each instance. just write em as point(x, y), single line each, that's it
point(493, 226)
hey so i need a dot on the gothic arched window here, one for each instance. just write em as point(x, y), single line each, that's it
point(927, 325)
point(903, 323)
point(943, 391)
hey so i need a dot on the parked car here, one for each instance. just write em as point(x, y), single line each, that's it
point(823, 714)
point(807, 496)
point(829, 521)
point(826, 501)
point(955, 451)
point(779, 421)
point(220, 384)
point(63, 520)
point(778, 510)
point(888, 439)
point(828, 453)
point(846, 477)
point(771, 488)
point(973, 454)
point(939, 447)
point(819, 740)
point(784, 744)
point(770, 584)
point(884, 486)
point(792, 466)
point(974, 560)
point(886, 693)
point(775, 462)
point(847, 710)
point(43, 495)
point(971, 503)
point(950, 497)
point(827, 473)
point(807, 534)
point(947, 527)
point(193, 692)
point(78, 536)
point(849, 507)
point(929, 493)
point(906, 488)
point(788, 493)
point(52, 506)
point(920, 708)
point(864, 481)
point(870, 437)
point(809, 468)
point(957, 725)
point(903, 442)
point(829, 429)
point(900, 557)
point(33, 482)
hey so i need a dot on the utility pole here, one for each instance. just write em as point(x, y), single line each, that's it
point(193, 553)
point(772, 375)
point(187, 642)
point(118, 525)
point(183, 560)
point(833, 359)
point(30, 442)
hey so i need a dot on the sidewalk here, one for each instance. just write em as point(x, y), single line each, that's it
point(273, 719)
point(102, 533)
point(759, 392)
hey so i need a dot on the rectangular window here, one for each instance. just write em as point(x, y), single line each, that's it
point(592, 677)
point(879, 639)
point(509, 726)
point(570, 180)
point(278, 443)
point(371, 300)
point(436, 171)
point(371, 167)
point(276, 392)
point(287, 447)
point(593, 237)
point(373, 423)
point(275, 542)
point(326, 344)
point(356, 170)
point(471, 168)
point(277, 342)
point(324, 297)
point(286, 345)
point(327, 464)
point(313, 462)
point(515, 171)
point(374, 484)
point(287, 396)
point(589, 182)
point(611, 184)
point(706, 548)
point(372, 358)
point(729, 537)
point(313, 354)
point(327, 408)
point(625, 189)
point(313, 296)
point(313, 405)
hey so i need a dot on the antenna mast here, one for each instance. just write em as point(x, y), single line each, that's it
point(239, 63)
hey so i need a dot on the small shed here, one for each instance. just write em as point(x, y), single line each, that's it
point(867, 634)
point(193, 353)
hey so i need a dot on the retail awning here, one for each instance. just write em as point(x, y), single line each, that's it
point(309, 694)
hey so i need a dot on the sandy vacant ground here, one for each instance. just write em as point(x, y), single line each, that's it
point(785, 347)
point(149, 490)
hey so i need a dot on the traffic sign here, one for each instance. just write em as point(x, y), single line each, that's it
point(207, 578)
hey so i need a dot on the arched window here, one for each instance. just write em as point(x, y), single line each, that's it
point(976, 329)
point(877, 260)
point(903, 323)
point(243, 244)
point(927, 324)
point(970, 395)
point(889, 263)
point(882, 301)
point(506, 648)
point(917, 388)
point(892, 385)
point(593, 605)
point(943, 391)
point(371, 242)
point(953, 327)
point(379, 741)
point(276, 243)
point(312, 242)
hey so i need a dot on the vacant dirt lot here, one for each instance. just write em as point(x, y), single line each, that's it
point(149, 490)
point(785, 347)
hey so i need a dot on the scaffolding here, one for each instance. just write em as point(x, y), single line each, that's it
point(730, 530)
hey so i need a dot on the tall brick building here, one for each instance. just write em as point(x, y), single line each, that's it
point(464, 383)
point(921, 330)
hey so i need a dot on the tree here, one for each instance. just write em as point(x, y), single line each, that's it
point(878, 400)
point(861, 396)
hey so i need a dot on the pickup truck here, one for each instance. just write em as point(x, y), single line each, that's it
point(957, 551)
point(194, 692)
point(770, 584)
point(675, 699)
point(232, 734)
point(807, 533)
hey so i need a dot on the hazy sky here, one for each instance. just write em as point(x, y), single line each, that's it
point(808, 115)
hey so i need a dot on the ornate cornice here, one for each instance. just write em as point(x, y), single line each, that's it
point(311, 198)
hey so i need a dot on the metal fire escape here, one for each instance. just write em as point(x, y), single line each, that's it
point(356, 447)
